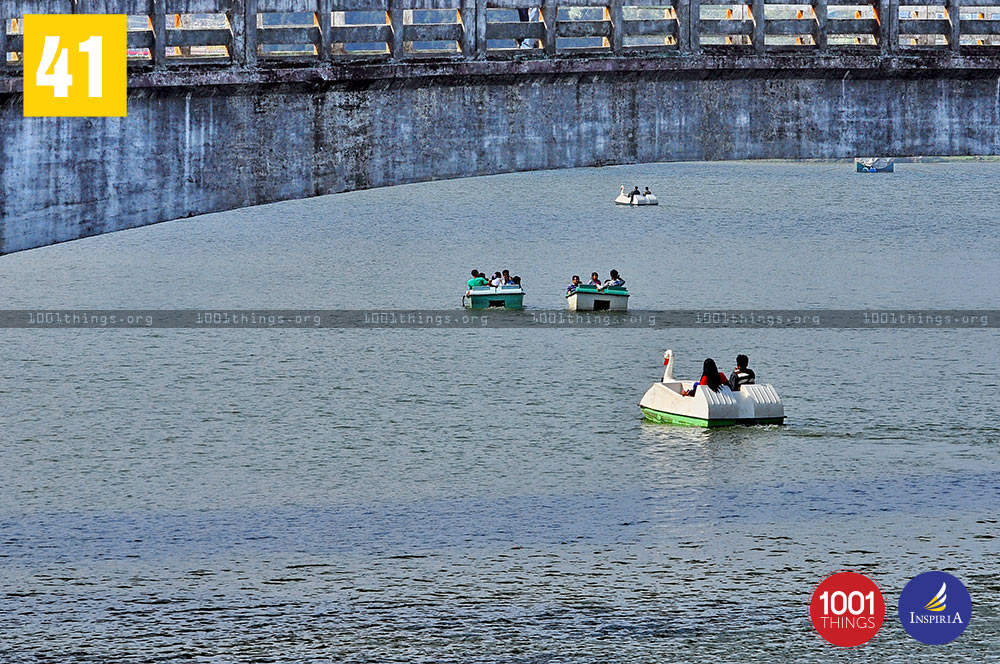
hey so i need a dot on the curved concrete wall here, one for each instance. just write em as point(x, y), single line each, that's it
point(195, 143)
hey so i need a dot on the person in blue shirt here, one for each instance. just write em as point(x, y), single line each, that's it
point(615, 281)
point(573, 284)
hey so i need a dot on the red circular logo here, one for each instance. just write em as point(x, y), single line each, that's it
point(847, 609)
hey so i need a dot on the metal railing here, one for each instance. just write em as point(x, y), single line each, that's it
point(245, 32)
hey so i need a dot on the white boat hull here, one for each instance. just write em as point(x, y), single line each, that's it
point(597, 302)
point(751, 404)
point(623, 199)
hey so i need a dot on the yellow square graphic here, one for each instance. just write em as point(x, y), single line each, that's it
point(74, 65)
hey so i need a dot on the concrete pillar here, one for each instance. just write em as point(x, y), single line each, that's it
point(480, 29)
point(819, 8)
point(893, 26)
point(4, 22)
point(159, 19)
point(467, 17)
point(757, 9)
point(617, 27)
point(883, 26)
point(396, 21)
point(694, 26)
point(324, 14)
point(550, 11)
point(955, 39)
point(250, 31)
point(683, 10)
point(238, 24)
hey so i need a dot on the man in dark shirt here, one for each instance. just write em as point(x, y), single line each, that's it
point(741, 374)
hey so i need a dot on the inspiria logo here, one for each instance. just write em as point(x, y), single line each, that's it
point(937, 603)
point(935, 608)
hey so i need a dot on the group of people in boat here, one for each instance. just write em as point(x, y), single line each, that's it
point(635, 192)
point(714, 379)
point(498, 279)
point(615, 281)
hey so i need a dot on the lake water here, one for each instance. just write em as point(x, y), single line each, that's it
point(493, 495)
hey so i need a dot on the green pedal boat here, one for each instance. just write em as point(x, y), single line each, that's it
point(590, 298)
point(485, 297)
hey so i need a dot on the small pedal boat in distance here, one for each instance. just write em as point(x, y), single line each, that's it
point(751, 404)
point(486, 297)
point(874, 164)
point(589, 298)
point(625, 199)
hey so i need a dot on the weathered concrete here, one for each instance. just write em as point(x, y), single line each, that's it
point(198, 141)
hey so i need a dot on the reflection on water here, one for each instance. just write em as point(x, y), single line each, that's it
point(493, 495)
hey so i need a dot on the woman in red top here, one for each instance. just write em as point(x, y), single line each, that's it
point(711, 377)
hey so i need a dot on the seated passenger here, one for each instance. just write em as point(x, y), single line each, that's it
point(741, 374)
point(507, 281)
point(595, 280)
point(497, 280)
point(573, 284)
point(635, 192)
point(477, 279)
point(517, 281)
point(615, 281)
point(647, 192)
point(710, 377)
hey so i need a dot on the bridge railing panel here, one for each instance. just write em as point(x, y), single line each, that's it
point(979, 26)
point(512, 27)
point(360, 29)
point(584, 26)
point(723, 26)
point(651, 26)
point(789, 26)
point(853, 25)
point(923, 25)
point(191, 32)
point(197, 30)
point(430, 29)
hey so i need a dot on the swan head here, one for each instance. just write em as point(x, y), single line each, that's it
point(668, 365)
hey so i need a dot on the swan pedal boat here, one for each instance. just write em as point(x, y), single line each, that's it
point(487, 297)
point(590, 298)
point(751, 404)
point(624, 199)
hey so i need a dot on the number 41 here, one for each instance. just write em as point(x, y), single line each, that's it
point(60, 79)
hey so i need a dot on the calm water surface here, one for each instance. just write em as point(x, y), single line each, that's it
point(493, 495)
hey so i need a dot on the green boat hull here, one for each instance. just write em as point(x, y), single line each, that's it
point(495, 301)
point(661, 417)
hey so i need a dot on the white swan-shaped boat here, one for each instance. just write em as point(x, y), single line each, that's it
point(625, 199)
point(751, 404)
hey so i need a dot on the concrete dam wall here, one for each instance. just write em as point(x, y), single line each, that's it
point(203, 136)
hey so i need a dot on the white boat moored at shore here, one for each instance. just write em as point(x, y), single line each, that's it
point(751, 404)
